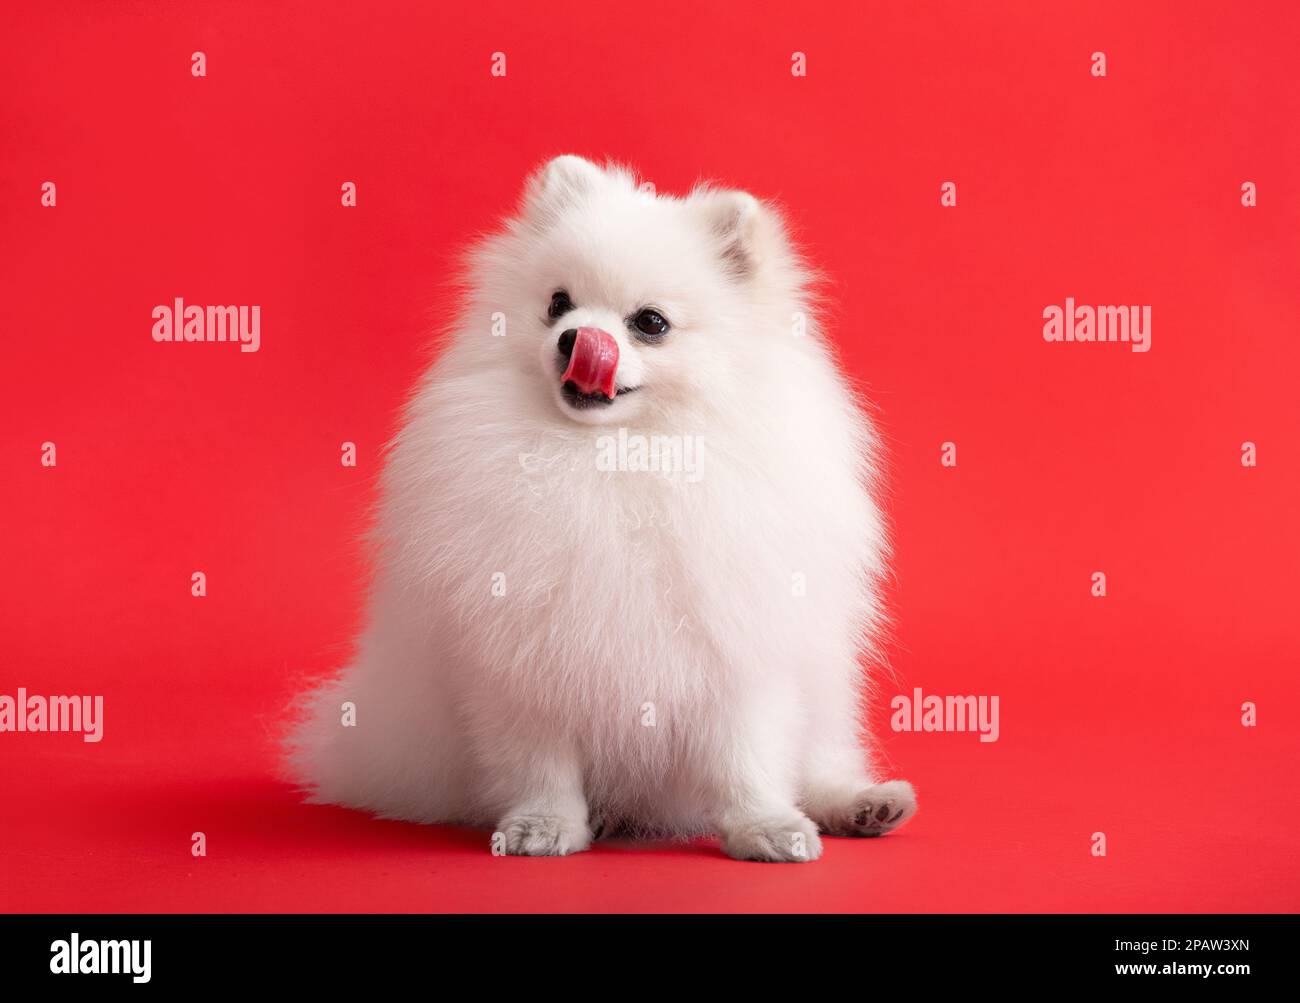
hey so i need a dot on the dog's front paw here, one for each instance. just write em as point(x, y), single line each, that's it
point(878, 809)
point(543, 835)
point(790, 839)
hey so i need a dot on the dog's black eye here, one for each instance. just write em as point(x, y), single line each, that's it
point(650, 324)
point(560, 305)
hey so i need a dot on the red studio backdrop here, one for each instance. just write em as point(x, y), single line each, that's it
point(1122, 714)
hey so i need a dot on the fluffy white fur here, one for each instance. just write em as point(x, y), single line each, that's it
point(651, 665)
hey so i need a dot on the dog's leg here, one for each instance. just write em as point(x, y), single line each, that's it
point(749, 775)
point(535, 780)
point(548, 817)
point(839, 791)
point(840, 796)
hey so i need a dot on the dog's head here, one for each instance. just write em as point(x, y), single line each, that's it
point(638, 305)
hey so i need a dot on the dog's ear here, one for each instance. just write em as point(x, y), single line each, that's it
point(746, 232)
point(559, 183)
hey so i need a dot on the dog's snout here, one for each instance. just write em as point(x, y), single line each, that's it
point(565, 344)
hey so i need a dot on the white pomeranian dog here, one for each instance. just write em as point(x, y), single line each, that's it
point(627, 550)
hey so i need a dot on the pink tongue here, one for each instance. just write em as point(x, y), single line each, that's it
point(593, 363)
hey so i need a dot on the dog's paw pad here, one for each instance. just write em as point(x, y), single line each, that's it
point(881, 808)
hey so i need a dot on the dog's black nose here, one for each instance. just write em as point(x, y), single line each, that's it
point(565, 344)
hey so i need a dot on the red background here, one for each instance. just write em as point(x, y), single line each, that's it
point(1119, 715)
